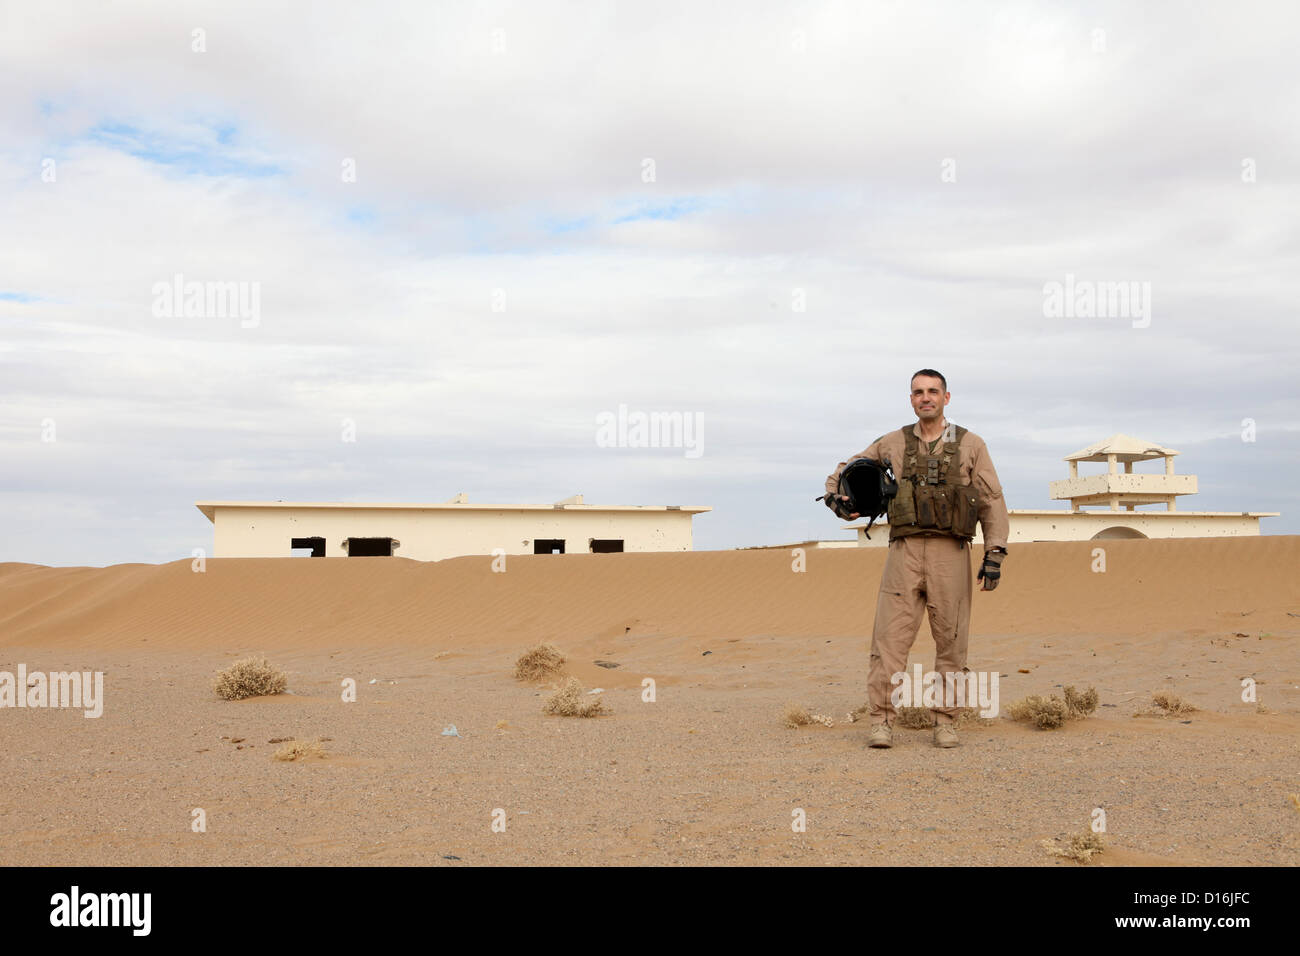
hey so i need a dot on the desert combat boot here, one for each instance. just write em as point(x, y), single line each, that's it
point(945, 735)
point(881, 736)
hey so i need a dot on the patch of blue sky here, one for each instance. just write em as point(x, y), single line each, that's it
point(209, 156)
point(18, 297)
point(664, 211)
point(557, 227)
point(361, 215)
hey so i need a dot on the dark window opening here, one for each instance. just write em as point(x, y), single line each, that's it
point(370, 547)
point(315, 545)
point(548, 546)
point(606, 545)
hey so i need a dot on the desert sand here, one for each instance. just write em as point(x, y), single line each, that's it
point(706, 773)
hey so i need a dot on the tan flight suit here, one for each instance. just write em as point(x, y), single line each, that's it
point(928, 570)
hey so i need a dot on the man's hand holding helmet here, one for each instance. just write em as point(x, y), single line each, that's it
point(840, 505)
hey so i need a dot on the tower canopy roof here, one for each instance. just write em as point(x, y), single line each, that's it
point(1124, 448)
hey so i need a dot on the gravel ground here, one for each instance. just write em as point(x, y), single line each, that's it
point(705, 774)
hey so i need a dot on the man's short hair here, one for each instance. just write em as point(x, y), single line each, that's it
point(933, 374)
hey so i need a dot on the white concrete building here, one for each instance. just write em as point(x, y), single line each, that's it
point(1115, 495)
point(430, 532)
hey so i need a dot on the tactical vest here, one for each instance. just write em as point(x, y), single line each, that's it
point(929, 498)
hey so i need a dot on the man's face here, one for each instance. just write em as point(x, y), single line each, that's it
point(928, 398)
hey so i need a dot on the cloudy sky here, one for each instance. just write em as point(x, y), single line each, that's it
point(465, 230)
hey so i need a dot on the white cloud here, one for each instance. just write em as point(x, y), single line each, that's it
point(801, 147)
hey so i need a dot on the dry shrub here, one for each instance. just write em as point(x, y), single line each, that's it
point(250, 677)
point(1081, 848)
point(1166, 704)
point(570, 701)
point(792, 715)
point(538, 662)
point(1172, 703)
point(299, 749)
point(1044, 712)
point(1047, 713)
point(1080, 705)
point(914, 718)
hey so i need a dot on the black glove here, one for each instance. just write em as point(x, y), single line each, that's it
point(839, 505)
point(991, 569)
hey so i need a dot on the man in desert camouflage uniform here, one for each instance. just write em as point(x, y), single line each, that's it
point(946, 483)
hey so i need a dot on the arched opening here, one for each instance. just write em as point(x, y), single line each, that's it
point(1118, 531)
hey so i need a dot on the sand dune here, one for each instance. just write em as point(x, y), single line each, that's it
point(1152, 586)
point(704, 774)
